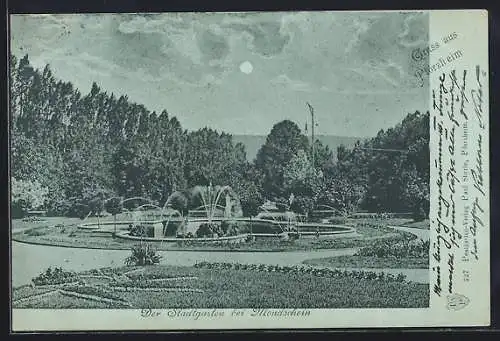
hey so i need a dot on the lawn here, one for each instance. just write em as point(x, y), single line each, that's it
point(235, 288)
point(371, 262)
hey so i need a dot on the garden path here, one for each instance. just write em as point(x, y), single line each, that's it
point(30, 260)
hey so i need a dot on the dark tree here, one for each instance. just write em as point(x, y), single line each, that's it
point(282, 143)
point(114, 206)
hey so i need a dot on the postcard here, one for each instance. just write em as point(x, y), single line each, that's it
point(249, 170)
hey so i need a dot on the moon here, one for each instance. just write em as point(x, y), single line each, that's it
point(246, 67)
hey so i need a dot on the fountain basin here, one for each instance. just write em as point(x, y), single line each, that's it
point(230, 239)
point(258, 228)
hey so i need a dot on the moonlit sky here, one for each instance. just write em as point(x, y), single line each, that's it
point(241, 72)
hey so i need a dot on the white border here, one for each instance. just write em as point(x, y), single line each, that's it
point(472, 28)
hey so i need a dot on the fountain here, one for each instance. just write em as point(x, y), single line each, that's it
point(138, 209)
point(273, 217)
point(210, 197)
point(176, 218)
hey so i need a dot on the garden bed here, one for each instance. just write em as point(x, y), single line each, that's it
point(409, 253)
point(370, 262)
point(223, 285)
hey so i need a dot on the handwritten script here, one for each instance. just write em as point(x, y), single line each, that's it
point(457, 128)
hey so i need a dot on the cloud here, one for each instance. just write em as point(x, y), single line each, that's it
point(200, 47)
point(294, 85)
point(264, 38)
point(191, 51)
point(213, 46)
point(415, 31)
point(310, 49)
point(360, 28)
point(155, 23)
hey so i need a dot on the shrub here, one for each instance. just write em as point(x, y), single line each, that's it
point(207, 230)
point(33, 219)
point(142, 231)
point(232, 228)
point(26, 195)
point(59, 206)
point(54, 276)
point(405, 248)
point(143, 254)
point(74, 208)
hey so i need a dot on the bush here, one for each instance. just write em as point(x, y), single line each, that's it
point(59, 207)
point(17, 210)
point(114, 206)
point(404, 248)
point(26, 195)
point(77, 210)
point(33, 219)
point(142, 231)
point(421, 211)
point(143, 254)
point(207, 230)
point(231, 228)
point(55, 276)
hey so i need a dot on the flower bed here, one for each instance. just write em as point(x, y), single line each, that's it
point(158, 279)
point(235, 285)
point(406, 248)
point(144, 284)
point(128, 289)
point(111, 302)
point(370, 262)
point(34, 296)
point(96, 277)
point(55, 276)
point(33, 219)
point(59, 285)
point(320, 272)
point(93, 291)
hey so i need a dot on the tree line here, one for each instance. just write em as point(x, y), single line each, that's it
point(69, 148)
